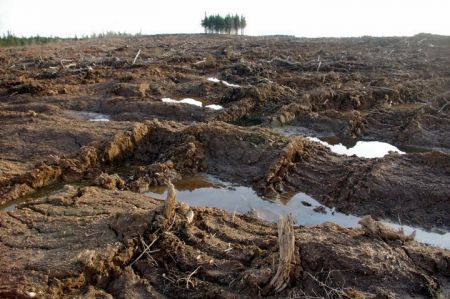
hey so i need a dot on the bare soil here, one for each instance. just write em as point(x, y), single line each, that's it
point(87, 241)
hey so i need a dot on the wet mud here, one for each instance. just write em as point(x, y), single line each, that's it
point(86, 134)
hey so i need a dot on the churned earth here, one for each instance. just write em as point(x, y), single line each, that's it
point(88, 127)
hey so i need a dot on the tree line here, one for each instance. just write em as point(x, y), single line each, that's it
point(10, 39)
point(224, 25)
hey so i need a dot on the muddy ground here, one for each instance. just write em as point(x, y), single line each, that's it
point(83, 241)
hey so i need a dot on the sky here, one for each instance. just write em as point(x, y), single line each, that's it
point(302, 18)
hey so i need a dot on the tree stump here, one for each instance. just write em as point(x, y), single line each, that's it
point(286, 240)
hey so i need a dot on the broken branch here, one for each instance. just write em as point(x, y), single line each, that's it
point(136, 57)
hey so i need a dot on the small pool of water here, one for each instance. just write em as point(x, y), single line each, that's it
point(207, 191)
point(42, 192)
point(343, 146)
point(193, 102)
point(215, 80)
point(362, 149)
point(88, 115)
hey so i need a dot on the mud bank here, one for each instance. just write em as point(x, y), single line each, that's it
point(393, 187)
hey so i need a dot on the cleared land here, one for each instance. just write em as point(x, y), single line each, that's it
point(86, 239)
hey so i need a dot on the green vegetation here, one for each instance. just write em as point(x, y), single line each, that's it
point(11, 40)
point(228, 25)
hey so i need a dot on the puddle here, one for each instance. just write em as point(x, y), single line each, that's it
point(191, 102)
point(87, 115)
point(248, 121)
point(344, 146)
point(207, 191)
point(42, 192)
point(184, 101)
point(408, 106)
point(362, 149)
point(214, 107)
point(351, 142)
point(215, 80)
point(288, 130)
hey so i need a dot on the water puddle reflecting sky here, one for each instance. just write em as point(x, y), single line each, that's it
point(362, 149)
point(87, 115)
point(343, 146)
point(193, 102)
point(207, 191)
point(215, 80)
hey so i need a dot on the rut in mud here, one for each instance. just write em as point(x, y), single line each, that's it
point(393, 187)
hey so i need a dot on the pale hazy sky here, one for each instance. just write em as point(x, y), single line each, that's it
point(309, 18)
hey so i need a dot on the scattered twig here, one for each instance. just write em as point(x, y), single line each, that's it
point(389, 54)
point(330, 291)
point(229, 248)
point(168, 278)
point(65, 66)
point(188, 278)
point(147, 247)
point(442, 108)
point(68, 66)
point(145, 250)
point(200, 62)
point(136, 57)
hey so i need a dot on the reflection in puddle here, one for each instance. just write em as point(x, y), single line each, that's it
point(183, 101)
point(87, 115)
point(362, 149)
point(288, 130)
point(42, 192)
point(191, 102)
point(207, 191)
point(215, 80)
point(343, 146)
point(11, 205)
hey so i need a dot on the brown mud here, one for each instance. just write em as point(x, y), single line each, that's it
point(88, 243)
point(81, 241)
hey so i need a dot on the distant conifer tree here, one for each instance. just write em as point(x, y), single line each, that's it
point(229, 24)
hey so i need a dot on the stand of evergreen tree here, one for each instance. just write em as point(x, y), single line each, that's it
point(11, 40)
point(224, 25)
